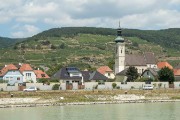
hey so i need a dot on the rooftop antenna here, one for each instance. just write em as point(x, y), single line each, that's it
point(119, 24)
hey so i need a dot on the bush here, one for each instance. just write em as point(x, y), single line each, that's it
point(114, 85)
point(55, 87)
point(2, 89)
point(42, 80)
point(53, 47)
point(142, 80)
point(54, 80)
point(132, 87)
point(118, 87)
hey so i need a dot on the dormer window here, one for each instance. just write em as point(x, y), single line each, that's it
point(43, 75)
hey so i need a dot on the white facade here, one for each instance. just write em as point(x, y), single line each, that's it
point(151, 65)
point(29, 76)
point(120, 57)
point(109, 75)
point(13, 76)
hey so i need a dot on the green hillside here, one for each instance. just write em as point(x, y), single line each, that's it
point(88, 47)
point(8, 42)
point(169, 38)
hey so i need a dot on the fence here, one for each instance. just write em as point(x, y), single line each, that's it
point(90, 86)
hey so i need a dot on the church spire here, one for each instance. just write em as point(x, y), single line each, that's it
point(119, 30)
point(119, 34)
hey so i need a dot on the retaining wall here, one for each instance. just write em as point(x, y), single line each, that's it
point(92, 85)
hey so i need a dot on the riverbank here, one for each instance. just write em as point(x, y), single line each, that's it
point(60, 98)
point(83, 103)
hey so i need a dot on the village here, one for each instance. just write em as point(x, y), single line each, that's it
point(17, 77)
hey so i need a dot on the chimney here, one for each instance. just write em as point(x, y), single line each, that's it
point(38, 68)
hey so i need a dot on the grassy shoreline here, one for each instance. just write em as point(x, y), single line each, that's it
point(80, 97)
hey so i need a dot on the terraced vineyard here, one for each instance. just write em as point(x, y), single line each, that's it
point(84, 49)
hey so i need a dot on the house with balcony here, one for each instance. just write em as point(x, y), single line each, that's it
point(28, 73)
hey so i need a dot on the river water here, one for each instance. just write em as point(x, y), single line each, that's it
point(132, 111)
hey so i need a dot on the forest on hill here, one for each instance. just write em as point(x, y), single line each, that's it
point(169, 38)
point(8, 42)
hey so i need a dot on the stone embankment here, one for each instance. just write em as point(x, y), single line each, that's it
point(118, 99)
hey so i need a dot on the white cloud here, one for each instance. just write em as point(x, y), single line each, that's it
point(139, 14)
point(24, 31)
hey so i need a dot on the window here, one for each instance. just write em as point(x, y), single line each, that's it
point(109, 74)
point(28, 74)
point(147, 72)
point(43, 75)
point(18, 78)
point(11, 78)
point(121, 50)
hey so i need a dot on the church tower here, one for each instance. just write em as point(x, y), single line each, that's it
point(119, 52)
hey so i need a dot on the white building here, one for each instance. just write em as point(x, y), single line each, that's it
point(123, 61)
point(28, 73)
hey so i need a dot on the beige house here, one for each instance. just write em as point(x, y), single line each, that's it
point(106, 71)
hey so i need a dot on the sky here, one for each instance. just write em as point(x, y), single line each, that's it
point(25, 18)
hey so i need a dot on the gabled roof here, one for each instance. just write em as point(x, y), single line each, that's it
point(97, 76)
point(164, 64)
point(154, 71)
point(64, 74)
point(40, 74)
point(104, 69)
point(135, 60)
point(7, 68)
point(26, 67)
point(122, 73)
point(87, 75)
point(176, 72)
point(150, 58)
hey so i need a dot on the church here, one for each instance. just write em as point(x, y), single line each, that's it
point(124, 61)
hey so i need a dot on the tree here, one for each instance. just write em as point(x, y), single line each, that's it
point(55, 87)
point(132, 74)
point(166, 75)
point(111, 63)
point(114, 85)
point(53, 47)
point(62, 46)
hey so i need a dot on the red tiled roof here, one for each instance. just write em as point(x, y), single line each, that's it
point(164, 64)
point(7, 68)
point(25, 67)
point(104, 69)
point(177, 72)
point(40, 74)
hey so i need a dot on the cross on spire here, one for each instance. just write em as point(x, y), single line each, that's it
point(119, 24)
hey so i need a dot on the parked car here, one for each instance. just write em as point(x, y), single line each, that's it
point(30, 89)
point(148, 87)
